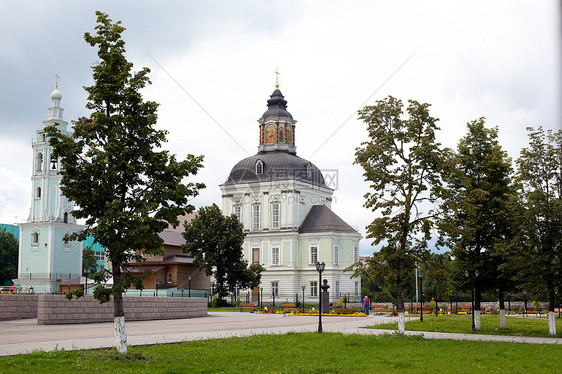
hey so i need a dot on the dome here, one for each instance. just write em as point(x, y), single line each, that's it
point(275, 166)
point(56, 95)
point(277, 106)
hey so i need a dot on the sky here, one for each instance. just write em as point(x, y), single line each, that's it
point(212, 70)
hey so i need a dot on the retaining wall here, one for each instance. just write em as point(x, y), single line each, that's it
point(56, 310)
point(18, 306)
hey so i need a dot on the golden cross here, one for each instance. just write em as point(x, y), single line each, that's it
point(277, 78)
point(57, 81)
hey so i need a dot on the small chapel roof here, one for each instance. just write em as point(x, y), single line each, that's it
point(323, 219)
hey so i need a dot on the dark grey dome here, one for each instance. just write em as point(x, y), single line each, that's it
point(277, 166)
point(277, 106)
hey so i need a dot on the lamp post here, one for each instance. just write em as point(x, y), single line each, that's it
point(303, 288)
point(525, 295)
point(421, 295)
point(320, 268)
point(472, 277)
point(189, 282)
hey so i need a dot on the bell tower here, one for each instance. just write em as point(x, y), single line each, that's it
point(44, 257)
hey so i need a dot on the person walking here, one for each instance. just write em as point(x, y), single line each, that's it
point(365, 304)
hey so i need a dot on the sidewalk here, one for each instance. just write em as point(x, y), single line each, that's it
point(24, 336)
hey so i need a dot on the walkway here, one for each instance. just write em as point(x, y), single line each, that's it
point(24, 336)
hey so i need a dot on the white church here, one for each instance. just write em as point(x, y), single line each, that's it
point(285, 207)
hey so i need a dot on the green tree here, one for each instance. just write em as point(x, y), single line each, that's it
point(126, 188)
point(215, 241)
point(8, 256)
point(475, 207)
point(402, 163)
point(89, 262)
point(540, 215)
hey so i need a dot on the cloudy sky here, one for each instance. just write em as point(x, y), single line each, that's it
point(213, 69)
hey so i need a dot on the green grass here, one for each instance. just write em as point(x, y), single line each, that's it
point(516, 326)
point(300, 353)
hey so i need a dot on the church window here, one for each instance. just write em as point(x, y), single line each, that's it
point(275, 258)
point(275, 288)
point(313, 289)
point(65, 220)
point(54, 163)
point(336, 254)
point(355, 253)
point(39, 162)
point(281, 135)
point(259, 167)
point(238, 212)
point(313, 254)
point(275, 215)
point(35, 238)
point(255, 217)
point(38, 192)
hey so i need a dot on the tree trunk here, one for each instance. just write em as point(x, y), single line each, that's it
point(399, 300)
point(118, 312)
point(503, 323)
point(551, 314)
point(477, 297)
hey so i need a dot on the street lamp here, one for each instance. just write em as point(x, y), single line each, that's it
point(472, 277)
point(189, 281)
point(303, 288)
point(421, 296)
point(525, 294)
point(320, 268)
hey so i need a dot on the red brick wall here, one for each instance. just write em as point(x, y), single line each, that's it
point(56, 310)
point(18, 306)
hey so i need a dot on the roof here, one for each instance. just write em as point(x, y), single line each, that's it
point(277, 106)
point(277, 166)
point(172, 238)
point(142, 268)
point(322, 219)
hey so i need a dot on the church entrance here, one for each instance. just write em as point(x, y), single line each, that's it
point(255, 260)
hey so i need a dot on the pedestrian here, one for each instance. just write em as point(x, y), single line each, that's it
point(365, 305)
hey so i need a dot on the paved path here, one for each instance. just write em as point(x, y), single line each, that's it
point(23, 336)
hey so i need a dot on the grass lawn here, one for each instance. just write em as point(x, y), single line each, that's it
point(300, 353)
point(516, 326)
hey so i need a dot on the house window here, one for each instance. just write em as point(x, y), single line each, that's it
point(355, 253)
point(259, 167)
point(99, 255)
point(313, 289)
point(54, 163)
point(238, 212)
point(39, 162)
point(275, 288)
point(275, 256)
point(336, 254)
point(35, 238)
point(275, 215)
point(256, 217)
point(337, 288)
point(169, 277)
point(313, 254)
point(38, 193)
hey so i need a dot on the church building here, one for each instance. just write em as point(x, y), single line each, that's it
point(285, 207)
point(44, 258)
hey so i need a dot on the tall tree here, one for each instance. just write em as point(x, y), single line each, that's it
point(402, 162)
point(89, 262)
point(8, 256)
point(475, 206)
point(125, 187)
point(540, 175)
point(215, 241)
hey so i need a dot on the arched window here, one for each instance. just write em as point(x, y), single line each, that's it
point(259, 167)
point(65, 220)
point(309, 170)
point(38, 192)
point(35, 238)
point(39, 162)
